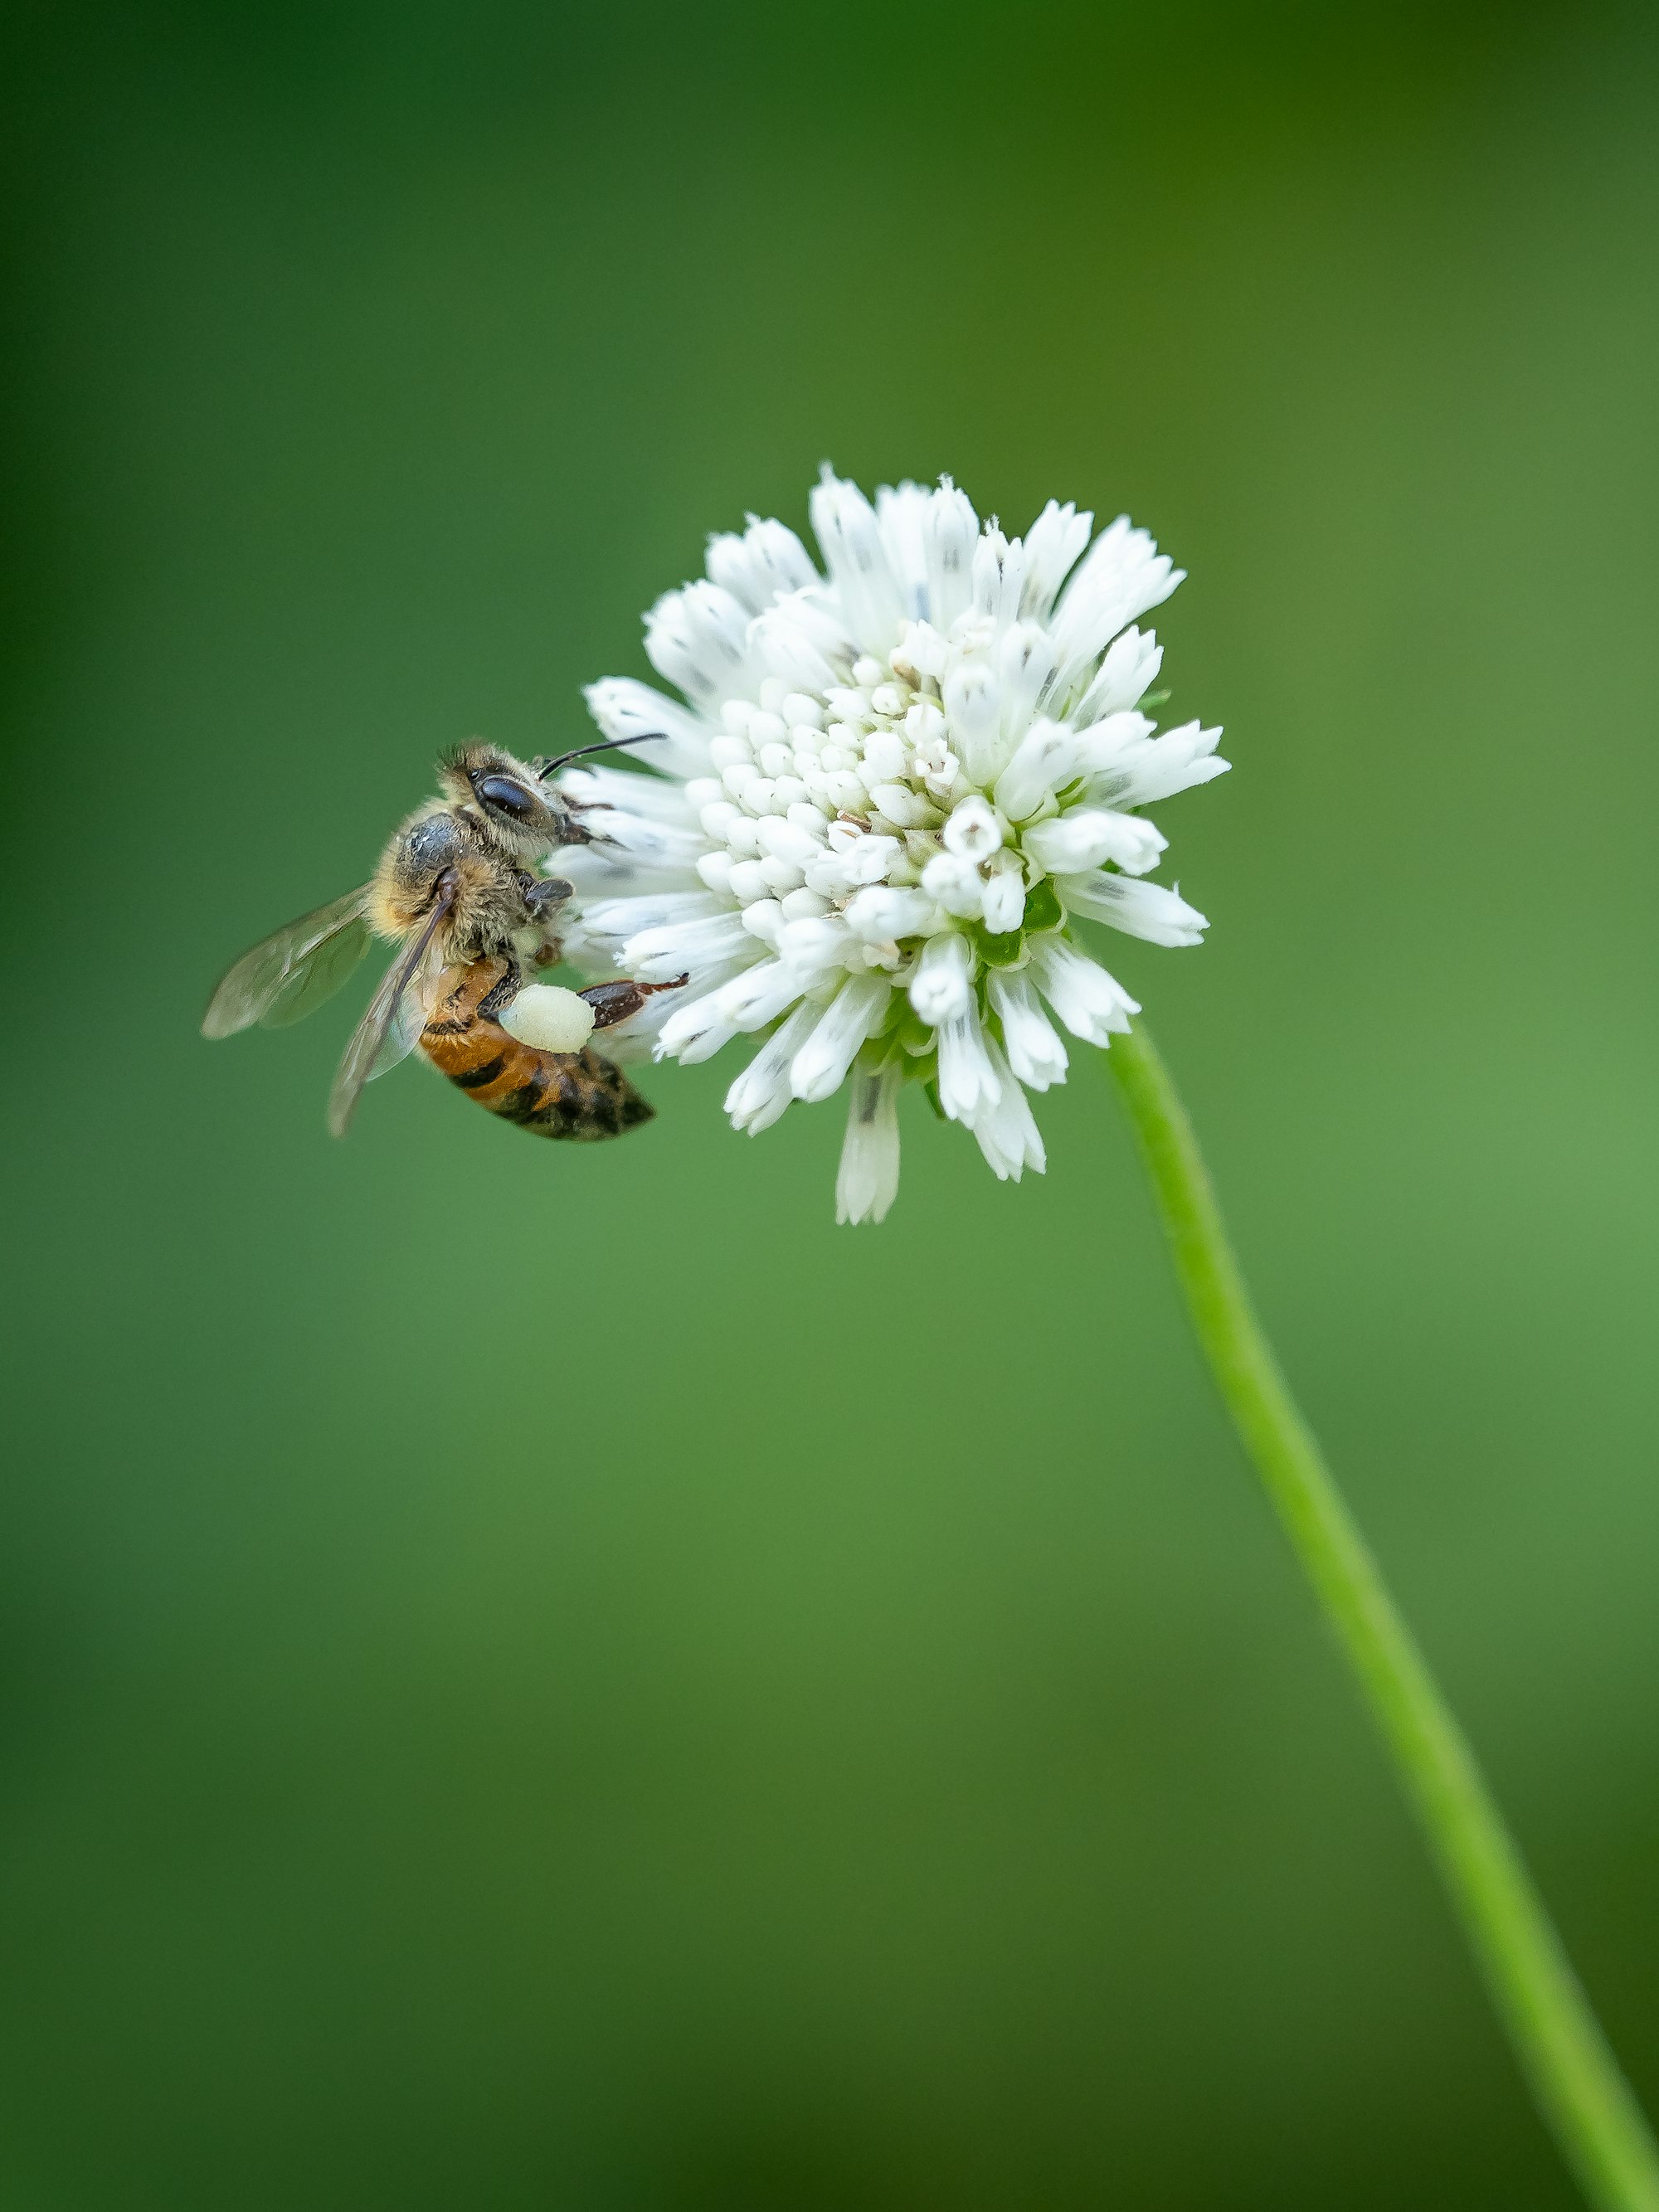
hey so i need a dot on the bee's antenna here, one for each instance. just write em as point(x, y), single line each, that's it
point(544, 767)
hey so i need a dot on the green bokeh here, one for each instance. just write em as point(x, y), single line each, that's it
point(545, 1680)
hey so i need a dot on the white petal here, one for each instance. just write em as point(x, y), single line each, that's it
point(760, 1093)
point(924, 649)
point(1090, 1003)
point(812, 945)
point(1157, 768)
point(623, 918)
point(693, 948)
point(1054, 545)
point(998, 577)
point(803, 906)
point(868, 1180)
point(956, 884)
point(1103, 746)
point(866, 856)
point(1005, 1128)
point(781, 645)
point(759, 995)
point(625, 709)
point(898, 803)
point(885, 912)
point(1139, 909)
point(698, 637)
point(902, 515)
point(1125, 676)
point(1025, 668)
point(850, 539)
point(652, 844)
point(941, 985)
point(1044, 761)
point(606, 872)
point(1035, 1053)
point(783, 840)
point(1004, 892)
point(967, 1083)
point(749, 884)
point(973, 703)
point(694, 1031)
point(658, 798)
point(854, 1014)
point(1083, 836)
point(951, 532)
point(1122, 575)
point(761, 565)
point(973, 829)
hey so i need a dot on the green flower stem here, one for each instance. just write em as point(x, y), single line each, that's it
point(1574, 2074)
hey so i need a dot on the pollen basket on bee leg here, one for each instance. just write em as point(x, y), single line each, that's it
point(549, 1018)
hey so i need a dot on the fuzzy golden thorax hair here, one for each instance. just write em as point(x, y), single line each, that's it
point(487, 914)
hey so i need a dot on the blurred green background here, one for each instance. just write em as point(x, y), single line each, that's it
point(562, 1679)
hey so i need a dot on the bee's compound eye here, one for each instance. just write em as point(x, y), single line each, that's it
point(507, 794)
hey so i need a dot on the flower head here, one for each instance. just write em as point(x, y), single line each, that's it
point(886, 797)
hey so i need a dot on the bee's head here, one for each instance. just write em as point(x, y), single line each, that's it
point(520, 812)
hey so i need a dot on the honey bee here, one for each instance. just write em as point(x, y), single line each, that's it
point(454, 891)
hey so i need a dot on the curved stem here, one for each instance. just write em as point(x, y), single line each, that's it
point(1575, 2077)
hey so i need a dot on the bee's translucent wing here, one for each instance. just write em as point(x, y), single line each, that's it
point(403, 1030)
point(318, 977)
point(386, 1031)
point(291, 971)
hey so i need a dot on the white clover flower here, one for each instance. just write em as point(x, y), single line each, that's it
point(887, 794)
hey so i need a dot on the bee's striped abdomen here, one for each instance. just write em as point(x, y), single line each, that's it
point(574, 1095)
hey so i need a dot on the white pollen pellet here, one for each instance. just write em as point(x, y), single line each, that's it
point(549, 1019)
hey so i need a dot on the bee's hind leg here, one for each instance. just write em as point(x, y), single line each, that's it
point(615, 1002)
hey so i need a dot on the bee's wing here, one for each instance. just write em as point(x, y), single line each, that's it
point(403, 1030)
point(293, 970)
point(385, 1033)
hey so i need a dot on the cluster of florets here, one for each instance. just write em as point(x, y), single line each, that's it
point(888, 796)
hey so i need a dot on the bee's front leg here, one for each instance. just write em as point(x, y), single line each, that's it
point(543, 895)
point(502, 992)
